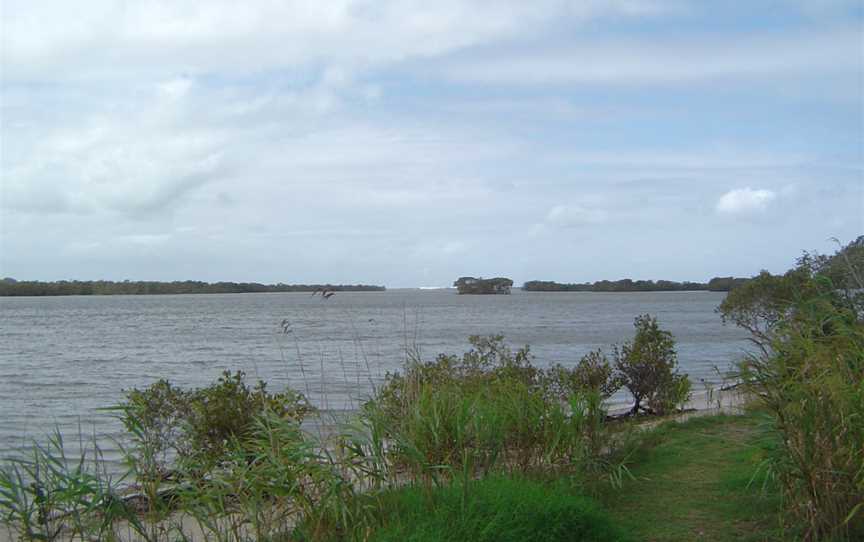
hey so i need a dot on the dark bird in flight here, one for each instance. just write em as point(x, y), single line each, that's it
point(326, 293)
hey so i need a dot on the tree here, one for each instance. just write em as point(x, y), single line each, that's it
point(647, 366)
point(765, 301)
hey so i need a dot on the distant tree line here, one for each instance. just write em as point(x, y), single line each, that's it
point(717, 284)
point(725, 284)
point(12, 287)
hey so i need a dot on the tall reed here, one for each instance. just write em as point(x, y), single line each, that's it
point(812, 383)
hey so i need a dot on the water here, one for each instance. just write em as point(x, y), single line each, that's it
point(63, 358)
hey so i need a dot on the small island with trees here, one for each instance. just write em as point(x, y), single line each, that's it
point(472, 285)
point(12, 287)
point(716, 284)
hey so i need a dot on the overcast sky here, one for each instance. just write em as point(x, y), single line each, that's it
point(408, 143)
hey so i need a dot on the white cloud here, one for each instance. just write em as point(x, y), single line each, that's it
point(572, 216)
point(176, 88)
point(237, 128)
point(136, 157)
point(103, 38)
point(663, 60)
point(744, 201)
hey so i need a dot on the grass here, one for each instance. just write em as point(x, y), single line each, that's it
point(697, 483)
point(498, 509)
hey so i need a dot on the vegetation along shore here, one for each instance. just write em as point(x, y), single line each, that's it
point(490, 446)
point(12, 287)
point(716, 284)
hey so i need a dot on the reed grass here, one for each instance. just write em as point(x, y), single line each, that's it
point(812, 383)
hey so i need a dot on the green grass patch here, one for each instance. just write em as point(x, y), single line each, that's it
point(700, 480)
point(496, 509)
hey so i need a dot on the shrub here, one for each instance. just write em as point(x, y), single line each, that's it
point(488, 361)
point(487, 409)
point(459, 412)
point(813, 384)
point(647, 367)
point(155, 416)
point(198, 424)
point(446, 429)
point(761, 304)
point(494, 509)
point(593, 373)
point(271, 482)
point(809, 375)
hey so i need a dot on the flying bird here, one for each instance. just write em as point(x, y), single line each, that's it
point(326, 292)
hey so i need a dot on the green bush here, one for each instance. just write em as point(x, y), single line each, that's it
point(813, 384)
point(592, 373)
point(809, 375)
point(495, 509)
point(488, 408)
point(648, 368)
point(272, 482)
point(196, 425)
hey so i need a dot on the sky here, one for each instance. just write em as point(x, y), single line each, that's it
point(408, 143)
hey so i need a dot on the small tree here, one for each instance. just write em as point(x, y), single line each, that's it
point(647, 366)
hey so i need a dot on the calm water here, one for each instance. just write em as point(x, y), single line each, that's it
point(62, 358)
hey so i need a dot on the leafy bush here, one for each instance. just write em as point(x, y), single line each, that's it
point(763, 302)
point(813, 384)
point(488, 409)
point(198, 424)
point(592, 373)
point(270, 483)
point(494, 509)
point(809, 375)
point(647, 366)
point(487, 362)
point(766, 301)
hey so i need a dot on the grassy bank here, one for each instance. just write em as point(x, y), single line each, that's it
point(696, 480)
point(700, 480)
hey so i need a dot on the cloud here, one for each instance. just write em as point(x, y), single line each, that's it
point(573, 216)
point(136, 156)
point(661, 61)
point(745, 201)
point(103, 39)
point(176, 88)
point(349, 140)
